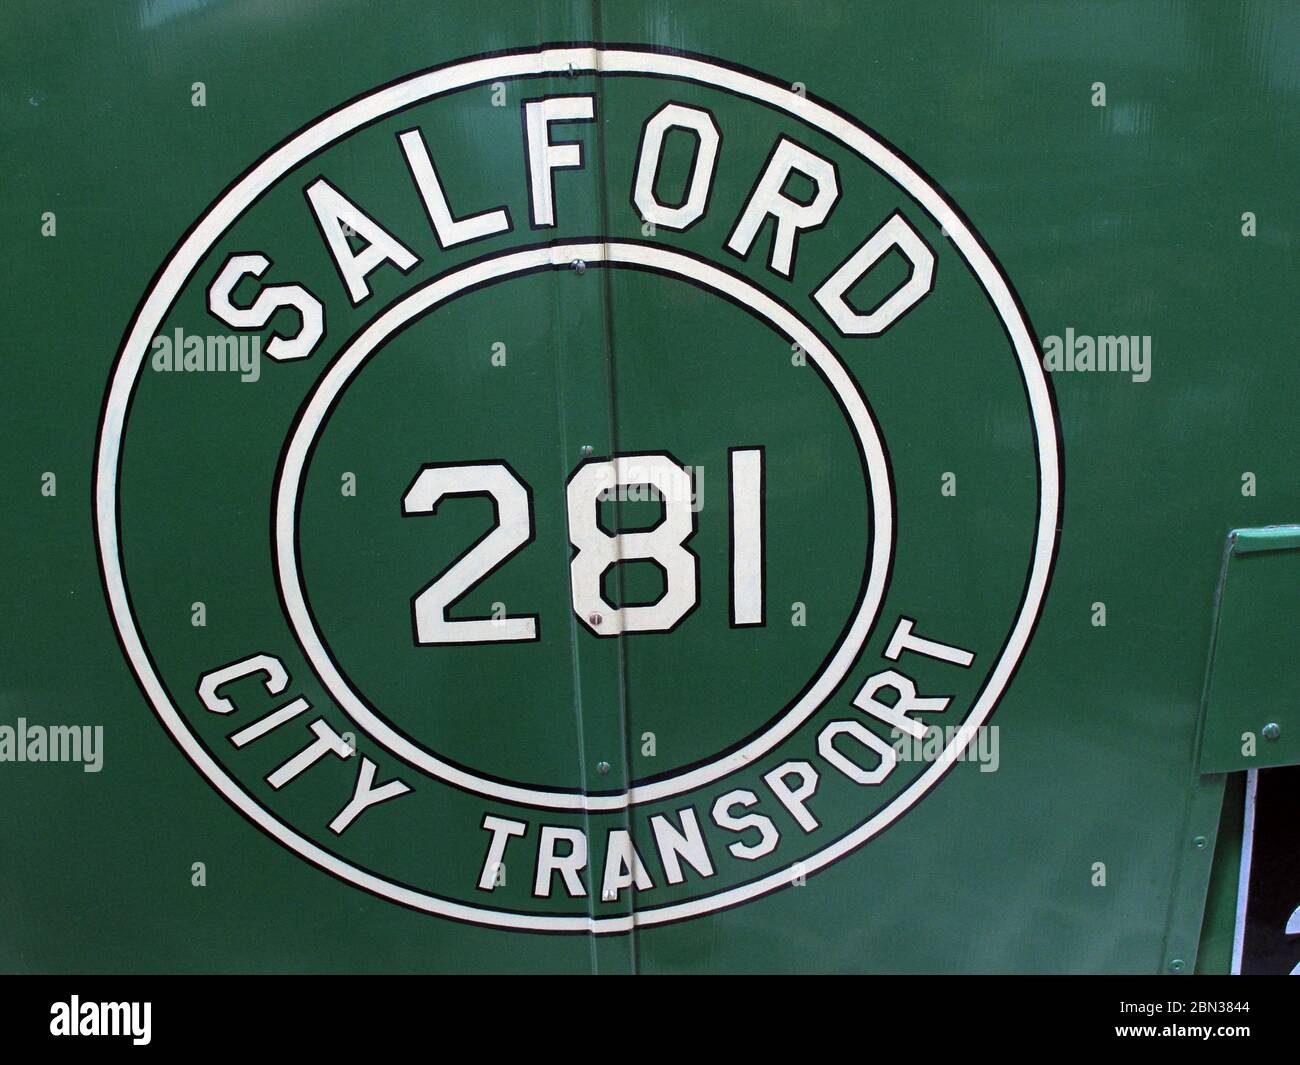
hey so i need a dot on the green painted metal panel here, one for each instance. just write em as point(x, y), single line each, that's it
point(1219, 924)
point(1251, 718)
point(677, 736)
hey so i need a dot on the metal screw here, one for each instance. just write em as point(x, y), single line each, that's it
point(1176, 966)
point(602, 768)
point(1271, 731)
point(586, 450)
point(1199, 843)
point(596, 620)
point(578, 266)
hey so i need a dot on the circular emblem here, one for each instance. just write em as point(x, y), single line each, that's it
point(536, 492)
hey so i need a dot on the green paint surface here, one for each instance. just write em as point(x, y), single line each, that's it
point(1124, 220)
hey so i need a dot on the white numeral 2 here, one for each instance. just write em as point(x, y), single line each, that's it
point(513, 504)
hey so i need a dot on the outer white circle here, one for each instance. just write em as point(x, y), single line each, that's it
point(185, 259)
point(446, 287)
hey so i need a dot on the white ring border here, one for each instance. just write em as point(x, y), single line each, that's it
point(447, 287)
point(185, 259)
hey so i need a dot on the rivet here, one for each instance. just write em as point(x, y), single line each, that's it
point(578, 266)
point(1199, 843)
point(602, 768)
point(1176, 966)
point(596, 620)
point(571, 71)
point(1271, 731)
point(587, 451)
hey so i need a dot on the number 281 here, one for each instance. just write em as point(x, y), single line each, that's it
point(595, 549)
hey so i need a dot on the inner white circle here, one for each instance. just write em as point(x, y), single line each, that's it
point(214, 223)
point(438, 291)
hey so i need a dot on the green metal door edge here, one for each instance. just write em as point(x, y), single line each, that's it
point(1219, 922)
point(1251, 712)
point(1245, 723)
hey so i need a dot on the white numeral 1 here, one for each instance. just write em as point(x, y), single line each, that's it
point(746, 496)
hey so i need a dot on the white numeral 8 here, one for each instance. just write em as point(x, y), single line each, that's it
point(598, 550)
